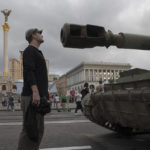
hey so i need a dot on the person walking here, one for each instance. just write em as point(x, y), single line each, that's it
point(35, 85)
point(78, 102)
point(57, 101)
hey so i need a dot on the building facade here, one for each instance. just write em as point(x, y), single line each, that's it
point(14, 69)
point(21, 65)
point(53, 77)
point(47, 66)
point(92, 73)
point(61, 85)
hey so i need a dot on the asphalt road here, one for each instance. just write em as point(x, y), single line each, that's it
point(67, 131)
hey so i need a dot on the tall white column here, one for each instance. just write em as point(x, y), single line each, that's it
point(106, 75)
point(84, 75)
point(89, 75)
point(6, 27)
point(5, 72)
point(115, 75)
point(98, 75)
point(102, 74)
point(93, 75)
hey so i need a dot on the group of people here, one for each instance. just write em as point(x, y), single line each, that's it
point(80, 94)
point(55, 100)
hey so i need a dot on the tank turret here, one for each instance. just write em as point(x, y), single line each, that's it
point(89, 36)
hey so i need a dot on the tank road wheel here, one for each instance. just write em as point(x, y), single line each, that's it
point(88, 112)
point(125, 131)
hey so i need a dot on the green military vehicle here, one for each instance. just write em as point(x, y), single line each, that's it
point(124, 107)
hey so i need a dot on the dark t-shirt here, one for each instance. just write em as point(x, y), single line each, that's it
point(34, 71)
point(84, 92)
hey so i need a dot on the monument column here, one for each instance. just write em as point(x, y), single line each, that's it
point(102, 74)
point(89, 75)
point(6, 27)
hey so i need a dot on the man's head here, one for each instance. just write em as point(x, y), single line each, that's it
point(34, 34)
point(86, 85)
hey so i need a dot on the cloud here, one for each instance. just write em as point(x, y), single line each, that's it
point(50, 15)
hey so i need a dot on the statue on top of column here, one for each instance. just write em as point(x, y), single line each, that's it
point(6, 13)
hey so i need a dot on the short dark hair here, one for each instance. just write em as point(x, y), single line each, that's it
point(30, 32)
point(86, 84)
point(92, 86)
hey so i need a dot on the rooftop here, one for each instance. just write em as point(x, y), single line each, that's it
point(100, 64)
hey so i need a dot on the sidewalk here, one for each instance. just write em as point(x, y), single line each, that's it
point(17, 106)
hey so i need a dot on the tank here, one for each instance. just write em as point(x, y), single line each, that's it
point(124, 106)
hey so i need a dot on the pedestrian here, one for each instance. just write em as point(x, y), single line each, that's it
point(72, 96)
point(19, 100)
point(100, 87)
point(10, 103)
point(63, 102)
point(35, 85)
point(85, 91)
point(78, 101)
point(57, 101)
point(54, 100)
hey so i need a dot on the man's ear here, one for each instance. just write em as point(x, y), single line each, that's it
point(33, 35)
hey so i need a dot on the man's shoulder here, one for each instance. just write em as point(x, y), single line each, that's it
point(85, 90)
point(29, 50)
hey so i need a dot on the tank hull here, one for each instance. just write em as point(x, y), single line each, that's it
point(115, 109)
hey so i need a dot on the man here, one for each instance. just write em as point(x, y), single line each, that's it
point(35, 85)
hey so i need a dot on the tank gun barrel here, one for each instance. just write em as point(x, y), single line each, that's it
point(89, 36)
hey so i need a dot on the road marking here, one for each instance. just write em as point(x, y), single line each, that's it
point(46, 122)
point(69, 148)
point(11, 124)
point(67, 121)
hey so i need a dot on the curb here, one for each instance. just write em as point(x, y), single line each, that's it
point(20, 109)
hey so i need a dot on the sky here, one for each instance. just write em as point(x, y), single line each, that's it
point(128, 16)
